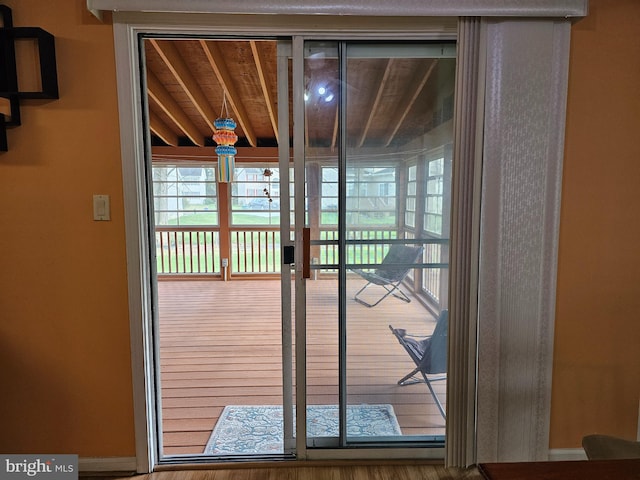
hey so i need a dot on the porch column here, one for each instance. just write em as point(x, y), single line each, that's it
point(224, 207)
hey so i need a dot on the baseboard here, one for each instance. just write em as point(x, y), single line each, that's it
point(107, 464)
point(559, 454)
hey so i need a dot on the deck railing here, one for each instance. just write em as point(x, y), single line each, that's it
point(196, 251)
point(256, 250)
point(366, 253)
point(187, 251)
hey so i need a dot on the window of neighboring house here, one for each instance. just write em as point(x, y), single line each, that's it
point(185, 194)
point(255, 195)
point(371, 196)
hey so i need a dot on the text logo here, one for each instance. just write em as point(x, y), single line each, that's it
point(40, 467)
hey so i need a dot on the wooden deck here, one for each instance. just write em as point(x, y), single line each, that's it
point(220, 345)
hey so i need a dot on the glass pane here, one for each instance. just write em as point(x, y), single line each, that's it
point(433, 224)
point(185, 195)
point(410, 219)
point(395, 190)
point(255, 195)
point(436, 167)
point(434, 205)
point(321, 172)
point(434, 186)
point(413, 171)
point(392, 167)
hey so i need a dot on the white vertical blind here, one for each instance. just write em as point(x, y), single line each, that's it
point(467, 165)
point(525, 99)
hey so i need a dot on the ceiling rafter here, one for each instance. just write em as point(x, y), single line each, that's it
point(376, 102)
point(260, 62)
point(173, 59)
point(412, 99)
point(162, 130)
point(166, 102)
point(214, 55)
point(388, 100)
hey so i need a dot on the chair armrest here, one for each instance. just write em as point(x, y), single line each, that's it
point(403, 333)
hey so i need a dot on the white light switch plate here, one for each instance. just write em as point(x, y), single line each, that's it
point(101, 207)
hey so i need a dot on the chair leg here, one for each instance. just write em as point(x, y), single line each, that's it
point(367, 304)
point(435, 397)
point(390, 291)
point(359, 300)
point(404, 380)
point(403, 296)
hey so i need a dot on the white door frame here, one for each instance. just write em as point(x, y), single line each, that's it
point(522, 304)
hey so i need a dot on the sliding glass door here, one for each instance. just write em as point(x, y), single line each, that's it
point(374, 146)
point(315, 315)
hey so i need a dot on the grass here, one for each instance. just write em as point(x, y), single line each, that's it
point(240, 218)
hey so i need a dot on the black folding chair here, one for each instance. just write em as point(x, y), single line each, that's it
point(429, 355)
point(389, 275)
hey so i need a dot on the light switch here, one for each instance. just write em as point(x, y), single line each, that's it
point(101, 207)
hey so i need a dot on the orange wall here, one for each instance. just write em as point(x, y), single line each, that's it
point(65, 365)
point(596, 383)
point(64, 332)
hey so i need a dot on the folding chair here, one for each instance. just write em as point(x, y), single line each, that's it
point(429, 355)
point(389, 275)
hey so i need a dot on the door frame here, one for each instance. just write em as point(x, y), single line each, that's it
point(493, 400)
point(143, 295)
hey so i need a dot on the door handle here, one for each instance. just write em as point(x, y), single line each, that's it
point(288, 255)
point(306, 252)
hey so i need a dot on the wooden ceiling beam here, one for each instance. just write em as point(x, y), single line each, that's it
point(214, 55)
point(166, 102)
point(181, 71)
point(208, 154)
point(162, 130)
point(410, 102)
point(376, 102)
point(260, 62)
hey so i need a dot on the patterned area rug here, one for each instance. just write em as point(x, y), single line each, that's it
point(246, 430)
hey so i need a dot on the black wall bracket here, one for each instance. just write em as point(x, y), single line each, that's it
point(9, 71)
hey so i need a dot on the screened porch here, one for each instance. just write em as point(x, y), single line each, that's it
point(219, 262)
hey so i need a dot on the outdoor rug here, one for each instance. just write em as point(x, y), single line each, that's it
point(246, 430)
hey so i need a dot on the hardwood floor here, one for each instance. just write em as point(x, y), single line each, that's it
point(369, 471)
point(220, 344)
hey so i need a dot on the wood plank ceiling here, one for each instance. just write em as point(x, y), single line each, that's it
point(391, 101)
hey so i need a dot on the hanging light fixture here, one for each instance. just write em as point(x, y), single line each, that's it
point(225, 137)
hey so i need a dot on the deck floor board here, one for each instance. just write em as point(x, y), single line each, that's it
point(220, 344)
